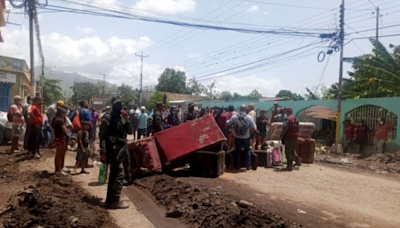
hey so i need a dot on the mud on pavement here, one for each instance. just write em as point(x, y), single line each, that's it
point(203, 207)
point(47, 200)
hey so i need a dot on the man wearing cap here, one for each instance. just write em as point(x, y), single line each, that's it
point(142, 131)
point(114, 128)
point(17, 121)
point(157, 118)
point(51, 113)
point(289, 135)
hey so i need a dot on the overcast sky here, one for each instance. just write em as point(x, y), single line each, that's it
point(91, 45)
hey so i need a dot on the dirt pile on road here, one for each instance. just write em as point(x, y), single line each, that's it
point(55, 201)
point(388, 163)
point(8, 168)
point(203, 207)
point(388, 158)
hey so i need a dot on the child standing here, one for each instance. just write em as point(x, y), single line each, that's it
point(83, 148)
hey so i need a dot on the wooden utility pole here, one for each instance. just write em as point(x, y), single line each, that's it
point(377, 23)
point(141, 76)
point(339, 98)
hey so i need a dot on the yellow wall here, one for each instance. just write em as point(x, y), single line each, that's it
point(22, 86)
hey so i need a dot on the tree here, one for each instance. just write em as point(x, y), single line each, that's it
point(52, 91)
point(211, 92)
point(226, 95)
point(127, 93)
point(154, 98)
point(195, 88)
point(236, 96)
point(288, 95)
point(255, 94)
point(85, 91)
point(374, 75)
point(172, 81)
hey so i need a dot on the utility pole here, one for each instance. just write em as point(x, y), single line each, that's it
point(104, 83)
point(339, 98)
point(141, 76)
point(31, 45)
point(377, 23)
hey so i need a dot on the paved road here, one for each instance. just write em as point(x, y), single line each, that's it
point(342, 197)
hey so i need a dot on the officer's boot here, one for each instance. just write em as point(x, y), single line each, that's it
point(289, 166)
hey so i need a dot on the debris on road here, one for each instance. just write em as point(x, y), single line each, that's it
point(55, 201)
point(203, 207)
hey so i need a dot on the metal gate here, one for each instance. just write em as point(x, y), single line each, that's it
point(371, 114)
point(5, 96)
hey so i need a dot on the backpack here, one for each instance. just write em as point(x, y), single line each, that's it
point(241, 127)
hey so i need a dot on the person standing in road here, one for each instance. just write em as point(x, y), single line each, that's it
point(157, 118)
point(243, 126)
point(172, 118)
point(36, 122)
point(51, 113)
point(95, 119)
point(221, 118)
point(190, 115)
point(27, 108)
point(17, 121)
point(362, 131)
point(231, 139)
point(134, 117)
point(253, 114)
point(275, 113)
point(289, 135)
point(114, 129)
point(142, 131)
point(349, 130)
point(381, 135)
point(262, 125)
point(59, 127)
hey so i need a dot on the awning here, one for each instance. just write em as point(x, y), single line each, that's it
point(319, 112)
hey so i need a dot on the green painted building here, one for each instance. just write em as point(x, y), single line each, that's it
point(369, 110)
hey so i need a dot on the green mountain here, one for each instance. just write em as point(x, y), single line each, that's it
point(67, 79)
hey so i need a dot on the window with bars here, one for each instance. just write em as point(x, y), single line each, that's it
point(371, 114)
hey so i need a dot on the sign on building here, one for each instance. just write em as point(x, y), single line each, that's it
point(7, 77)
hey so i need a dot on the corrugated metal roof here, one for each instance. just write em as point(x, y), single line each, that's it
point(319, 111)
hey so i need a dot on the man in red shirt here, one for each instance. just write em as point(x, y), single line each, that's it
point(221, 118)
point(361, 135)
point(349, 130)
point(36, 122)
point(381, 134)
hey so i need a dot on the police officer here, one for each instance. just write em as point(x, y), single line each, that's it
point(157, 118)
point(113, 132)
point(190, 114)
point(289, 135)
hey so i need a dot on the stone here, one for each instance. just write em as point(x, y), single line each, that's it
point(245, 204)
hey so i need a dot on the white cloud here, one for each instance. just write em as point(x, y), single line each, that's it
point(245, 84)
point(253, 9)
point(85, 30)
point(266, 12)
point(166, 6)
point(87, 56)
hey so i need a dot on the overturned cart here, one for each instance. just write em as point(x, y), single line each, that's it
point(198, 142)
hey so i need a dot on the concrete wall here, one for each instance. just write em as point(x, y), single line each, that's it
point(390, 104)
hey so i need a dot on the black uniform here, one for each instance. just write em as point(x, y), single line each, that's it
point(113, 133)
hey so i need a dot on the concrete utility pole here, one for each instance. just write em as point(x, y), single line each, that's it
point(141, 76)
point(377, 23)
point(339, 98)
point(31, 45)
point(104, 83)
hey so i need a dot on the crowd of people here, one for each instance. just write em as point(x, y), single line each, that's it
point(243, 128)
